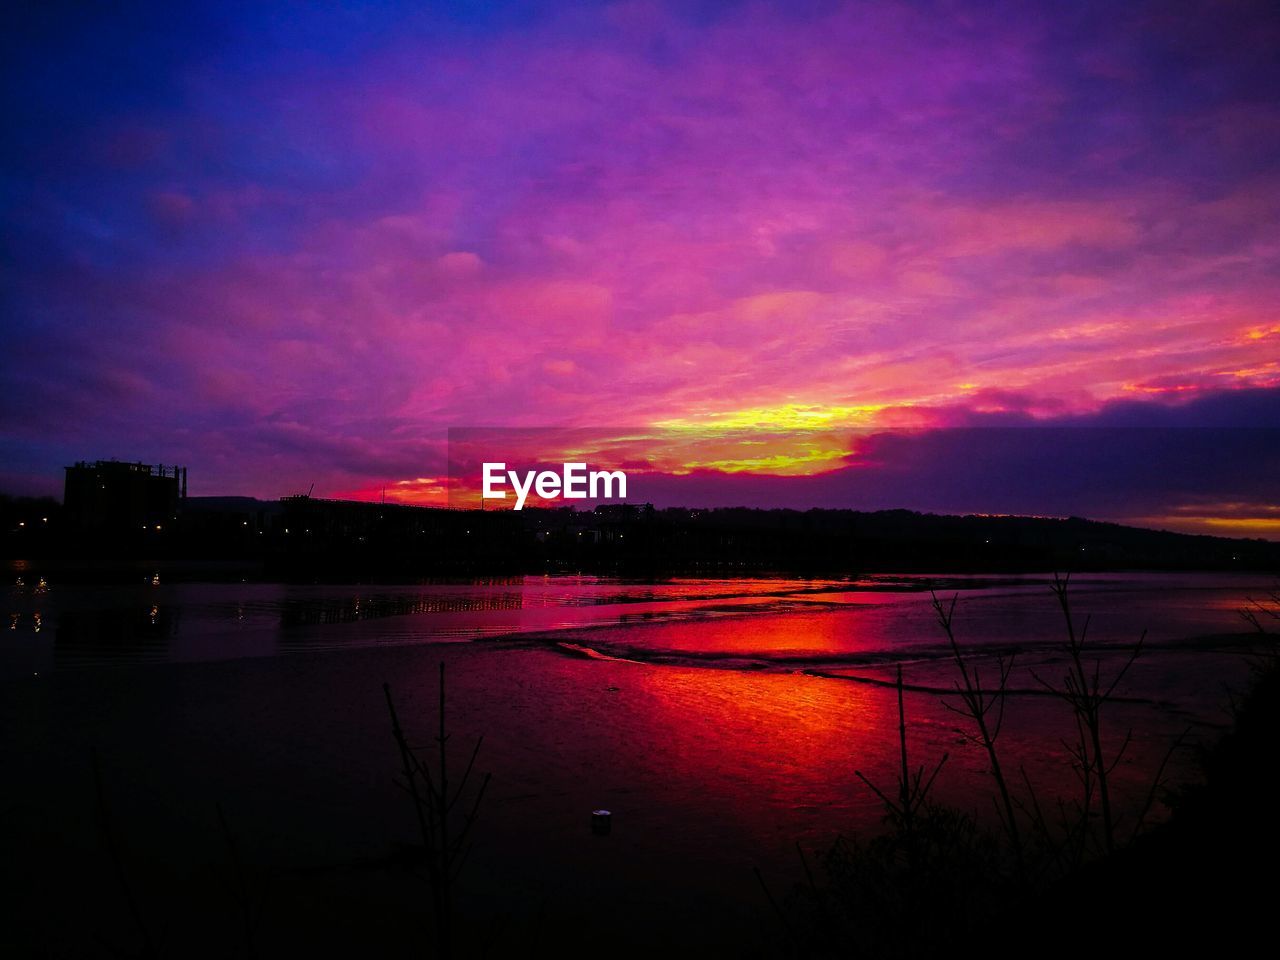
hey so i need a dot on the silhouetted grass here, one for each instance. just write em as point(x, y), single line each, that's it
point(1057, 875)
point(935, 879)
point(444, 837)
point(984, 707)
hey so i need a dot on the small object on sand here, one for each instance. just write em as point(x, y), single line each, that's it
point(601, 821)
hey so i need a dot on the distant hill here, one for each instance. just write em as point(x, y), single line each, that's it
point(307, 538)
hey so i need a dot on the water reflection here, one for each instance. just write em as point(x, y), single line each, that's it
point(307, 611)
point(778, 623)
point(86, 637)
point(787, 741)
point(704, 728)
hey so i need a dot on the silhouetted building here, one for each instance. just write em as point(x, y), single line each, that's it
point(111, 495)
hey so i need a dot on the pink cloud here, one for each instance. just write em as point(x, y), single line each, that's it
point(876, 207)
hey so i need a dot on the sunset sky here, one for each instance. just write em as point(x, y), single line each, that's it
point(298, 245)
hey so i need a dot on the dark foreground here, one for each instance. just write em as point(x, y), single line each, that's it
point(249, 808)
point(1200, 884)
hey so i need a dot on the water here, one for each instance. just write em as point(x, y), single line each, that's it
point(721, 721)
point(876, 618)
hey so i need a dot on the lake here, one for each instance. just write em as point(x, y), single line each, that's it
point(721, 721)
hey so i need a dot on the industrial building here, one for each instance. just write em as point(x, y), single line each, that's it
point(118, 495)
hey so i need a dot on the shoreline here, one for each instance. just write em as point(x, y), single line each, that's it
point(709, 773)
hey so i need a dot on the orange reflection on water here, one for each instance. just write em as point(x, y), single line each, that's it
point(688, 758)
point(767, 748)
point(775, 635)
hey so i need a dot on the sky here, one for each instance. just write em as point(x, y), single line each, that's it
point(969, 257)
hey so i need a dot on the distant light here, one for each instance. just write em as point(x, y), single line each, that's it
point(157, 526)
point(44, 519)
point(22, 523)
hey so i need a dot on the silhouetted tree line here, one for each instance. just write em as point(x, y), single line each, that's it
point(308, 538)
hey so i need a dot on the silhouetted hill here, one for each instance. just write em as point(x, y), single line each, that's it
point(307, 538)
